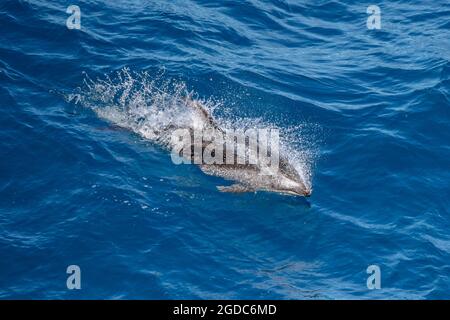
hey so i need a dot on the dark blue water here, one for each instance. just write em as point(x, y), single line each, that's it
point(77, 189)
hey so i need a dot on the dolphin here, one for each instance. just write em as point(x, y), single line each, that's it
point(246, 177)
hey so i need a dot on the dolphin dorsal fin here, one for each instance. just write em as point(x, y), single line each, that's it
point(203, 113)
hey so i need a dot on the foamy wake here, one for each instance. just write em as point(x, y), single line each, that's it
point(148, 105)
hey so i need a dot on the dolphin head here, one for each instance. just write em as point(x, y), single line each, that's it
point(289, 186)
point(289, 181)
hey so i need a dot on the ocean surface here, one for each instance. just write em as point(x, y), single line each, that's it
point(366, 112)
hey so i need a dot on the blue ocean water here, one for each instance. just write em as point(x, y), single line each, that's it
point(369, 108)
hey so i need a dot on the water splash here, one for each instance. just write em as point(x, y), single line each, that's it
point(148, 105)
